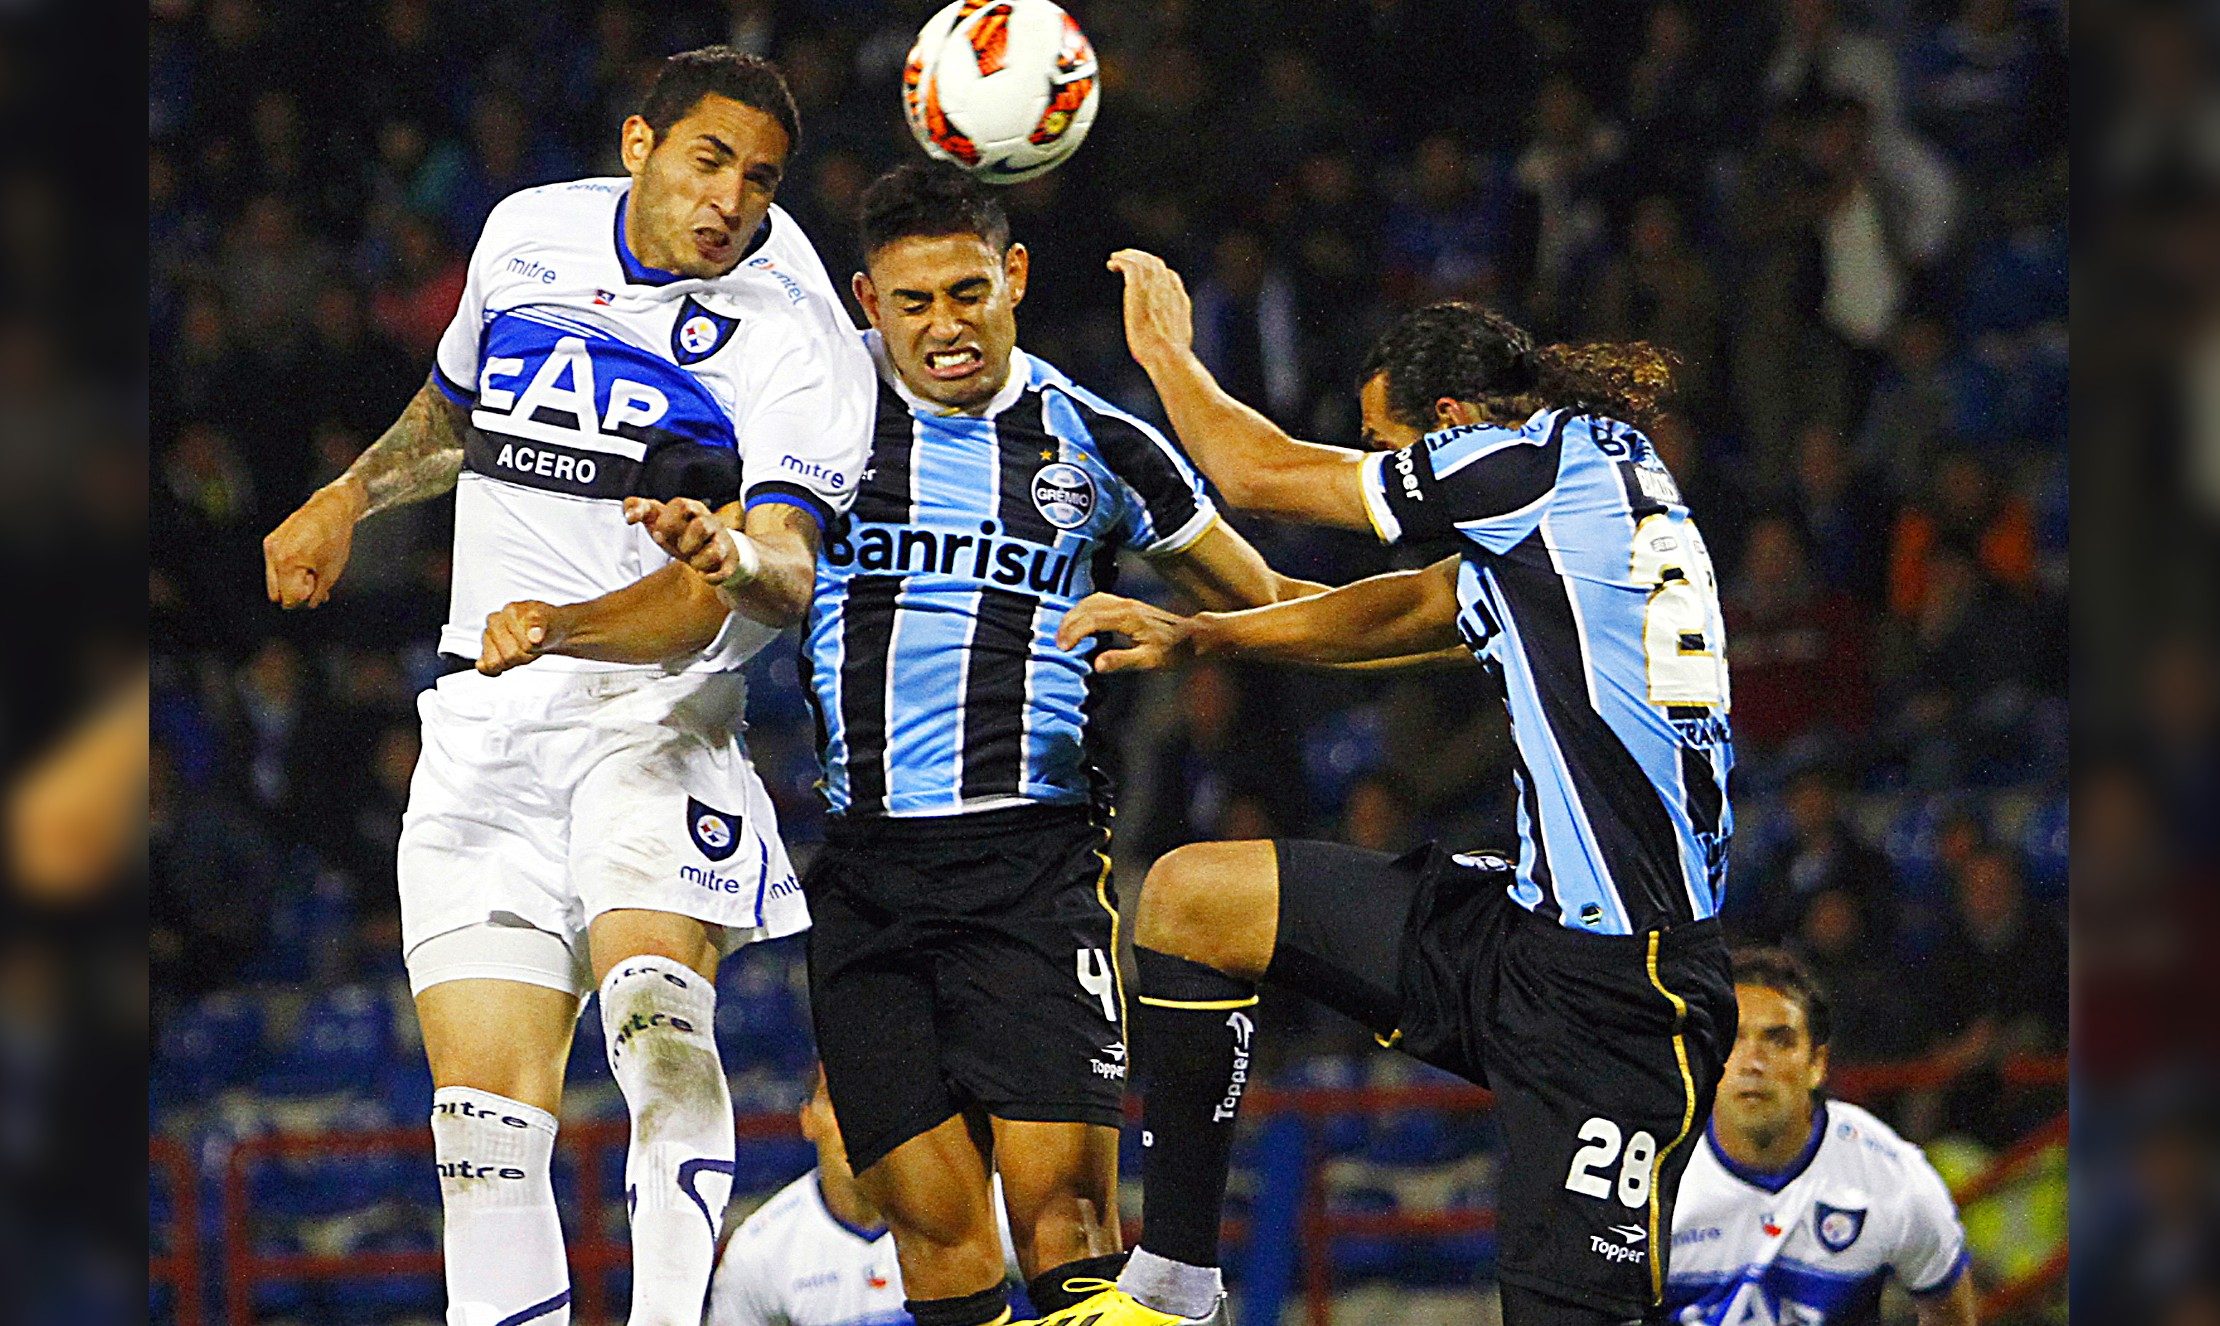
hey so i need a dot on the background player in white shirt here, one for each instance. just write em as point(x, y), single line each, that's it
point(819, 1253)
point(590, 824)
point(1796, 1208)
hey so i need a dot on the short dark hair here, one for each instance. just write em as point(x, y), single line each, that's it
point(1781, 971)
point(751, 80)
point(1468, 353)
point(929, 198)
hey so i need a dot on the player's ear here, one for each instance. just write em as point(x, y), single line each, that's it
point(867, 296)
point(1450, 412)
point(1818, 1066)
point(1017, 264)
point(634, 141)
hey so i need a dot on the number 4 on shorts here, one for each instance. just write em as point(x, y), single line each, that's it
point(1097, 978)
point(1603, 1138)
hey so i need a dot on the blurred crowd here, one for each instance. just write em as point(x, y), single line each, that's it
point(2146, 852)
point(1848, 219)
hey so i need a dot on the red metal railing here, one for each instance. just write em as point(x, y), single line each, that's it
point(596, 1248)
point(179, 1266)
point(593, 1250)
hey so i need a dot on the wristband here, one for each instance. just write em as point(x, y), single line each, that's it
point(749, 562)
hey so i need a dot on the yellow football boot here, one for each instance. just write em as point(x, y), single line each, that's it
point(1113, 1306)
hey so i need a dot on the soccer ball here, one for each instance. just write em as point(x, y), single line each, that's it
point(1006, 89)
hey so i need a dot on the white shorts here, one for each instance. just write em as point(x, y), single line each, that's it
point(544, 799)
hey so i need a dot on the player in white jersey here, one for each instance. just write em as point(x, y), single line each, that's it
point(819, 1253)
point(590, 824)
point(1796, 1208)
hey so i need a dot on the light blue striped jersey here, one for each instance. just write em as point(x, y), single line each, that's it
point(931, 653)
point(1588, 588)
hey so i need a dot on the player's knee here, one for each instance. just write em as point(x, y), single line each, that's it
point(511, 1077)
point(1182, 905)
point(618, 936)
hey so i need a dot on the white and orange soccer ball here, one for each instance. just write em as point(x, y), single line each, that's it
point(1006, 89)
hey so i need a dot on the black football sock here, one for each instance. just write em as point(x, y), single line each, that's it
point(988, 1307)
point(1050, 1290)
point(1194, 1038)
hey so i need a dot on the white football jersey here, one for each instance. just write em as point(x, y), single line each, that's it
point(589, 377)
point(1813, 1244)
point(794, 1263)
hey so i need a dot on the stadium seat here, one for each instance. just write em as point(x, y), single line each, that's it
point(215, 1044)
point(1357, 1257)
point(1343, 1134)
point(382, 1299)
point(1410, 1138)
point(344, 1040)
point(283, 958)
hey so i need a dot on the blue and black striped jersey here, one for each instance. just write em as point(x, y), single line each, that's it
point(1588, 588)
point(931, 653)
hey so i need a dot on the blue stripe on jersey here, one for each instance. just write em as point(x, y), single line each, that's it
point(931, 651)
point(1564, 819)
point(935, 613)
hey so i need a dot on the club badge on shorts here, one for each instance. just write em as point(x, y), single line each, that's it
point(698, 333)
point(716, 833)
point(1837, 1228)
point(1064, 495)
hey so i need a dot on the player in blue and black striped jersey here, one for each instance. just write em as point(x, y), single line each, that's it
point(1581, 974)
point(962, 956)
point(968, 1007)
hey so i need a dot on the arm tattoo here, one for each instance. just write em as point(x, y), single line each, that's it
point(417, 458)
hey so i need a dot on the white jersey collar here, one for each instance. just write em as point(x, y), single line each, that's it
point(1021, 375)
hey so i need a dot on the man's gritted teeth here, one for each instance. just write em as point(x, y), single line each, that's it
point(954, 364)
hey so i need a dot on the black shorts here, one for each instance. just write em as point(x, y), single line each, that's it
point(965, 962)
point(1603, 1050)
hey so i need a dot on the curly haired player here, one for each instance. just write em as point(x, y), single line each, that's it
point(1583, 978)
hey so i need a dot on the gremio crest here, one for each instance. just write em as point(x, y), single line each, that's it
point(1064, 495)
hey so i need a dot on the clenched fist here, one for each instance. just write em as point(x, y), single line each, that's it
point(690, 532)
point(519, 633)
point(302, 558)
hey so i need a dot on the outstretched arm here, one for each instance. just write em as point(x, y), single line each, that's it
point(1254, 463)
point(671, 612)
point(417, 458)
point(1397, 617)
point(767, 573)
point(1223, 570)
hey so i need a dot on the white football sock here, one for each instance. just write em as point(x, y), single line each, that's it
point(659, 1018)
point(1174, 1287)
point(503, 1239)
